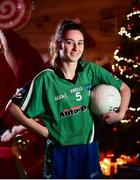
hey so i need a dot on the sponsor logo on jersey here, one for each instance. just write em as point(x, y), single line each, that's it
point(61, 96)
point(19, 93)
point(76, 89)
point(72, 111)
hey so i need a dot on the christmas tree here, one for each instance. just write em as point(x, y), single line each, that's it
point(127, 68)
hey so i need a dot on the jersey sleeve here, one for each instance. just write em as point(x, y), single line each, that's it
point(20, 95)
point(103, 76)
point(30, 98)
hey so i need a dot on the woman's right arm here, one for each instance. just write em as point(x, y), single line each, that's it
point(19, 116)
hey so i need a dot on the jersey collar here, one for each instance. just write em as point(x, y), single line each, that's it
point(60, 74)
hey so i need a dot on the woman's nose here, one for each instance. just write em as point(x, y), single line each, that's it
point(75, 46)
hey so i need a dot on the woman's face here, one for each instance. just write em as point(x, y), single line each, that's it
point(72, 46)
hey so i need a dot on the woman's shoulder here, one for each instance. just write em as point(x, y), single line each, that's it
point(45, 73)
point(89, 65)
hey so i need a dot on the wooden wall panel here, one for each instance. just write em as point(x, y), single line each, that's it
point(48, 13)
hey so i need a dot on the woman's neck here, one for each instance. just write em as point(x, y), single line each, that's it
point(69, 70)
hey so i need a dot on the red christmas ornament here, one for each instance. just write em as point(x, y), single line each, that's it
point(136, 7)
point(14, 14)
point(119, 47)
point(130, 26)
point(137, 58)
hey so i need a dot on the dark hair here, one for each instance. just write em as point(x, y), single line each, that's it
point(62, 27)
point(66, 25)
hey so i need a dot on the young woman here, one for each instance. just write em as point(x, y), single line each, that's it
point(60, 96)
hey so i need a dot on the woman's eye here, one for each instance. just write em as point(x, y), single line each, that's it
point(81, 43)
point(69, 42)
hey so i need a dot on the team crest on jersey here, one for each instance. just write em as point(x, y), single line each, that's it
point(89, 87)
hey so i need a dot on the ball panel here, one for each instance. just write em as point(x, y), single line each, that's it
point(105, 98)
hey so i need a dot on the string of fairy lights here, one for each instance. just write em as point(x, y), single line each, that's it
point(135, 64)
point(125, 121)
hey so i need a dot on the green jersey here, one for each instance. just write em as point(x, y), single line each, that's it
point(64, 105)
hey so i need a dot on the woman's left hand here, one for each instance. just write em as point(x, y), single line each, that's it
point(111, 117)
